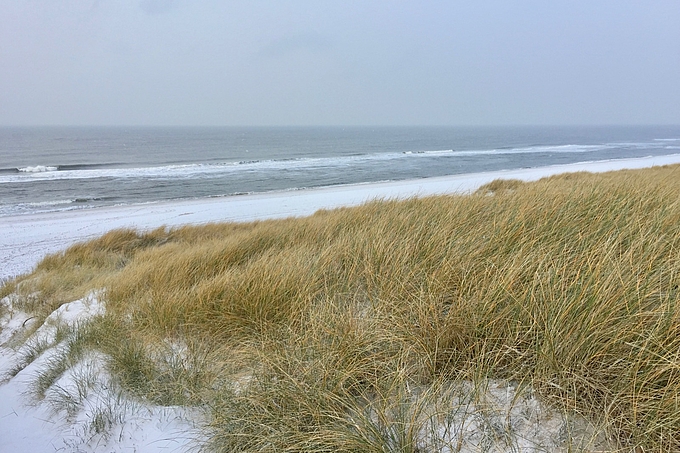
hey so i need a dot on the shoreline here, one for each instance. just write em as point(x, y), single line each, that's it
point(27, 238)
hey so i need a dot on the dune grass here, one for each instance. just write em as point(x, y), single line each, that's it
point(345, 330)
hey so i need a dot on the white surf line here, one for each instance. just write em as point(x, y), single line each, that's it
point(25, 239)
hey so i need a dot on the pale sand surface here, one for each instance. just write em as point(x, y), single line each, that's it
point(25, 239)
point(33, 428)
point(494, 415)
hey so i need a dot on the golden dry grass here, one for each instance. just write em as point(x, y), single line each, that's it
point(290, 328)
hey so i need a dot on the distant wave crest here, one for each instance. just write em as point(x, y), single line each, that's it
point(51, 205)
point(37, 169)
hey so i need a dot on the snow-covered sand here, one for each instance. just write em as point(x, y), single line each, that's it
point(24, 240)
point(101, 419)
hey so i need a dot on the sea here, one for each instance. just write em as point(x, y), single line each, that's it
point(45, 169)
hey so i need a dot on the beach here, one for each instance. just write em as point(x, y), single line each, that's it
point(25, 239)
point(339, 227)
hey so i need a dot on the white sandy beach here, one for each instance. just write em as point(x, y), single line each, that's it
point(24, 240)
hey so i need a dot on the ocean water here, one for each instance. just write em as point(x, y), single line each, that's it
point(54, 169)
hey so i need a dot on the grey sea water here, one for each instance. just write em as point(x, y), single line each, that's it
point(56, 168)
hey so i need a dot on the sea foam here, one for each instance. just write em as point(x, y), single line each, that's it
point(37, 169)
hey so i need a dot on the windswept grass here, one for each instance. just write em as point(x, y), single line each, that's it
point(340, 331)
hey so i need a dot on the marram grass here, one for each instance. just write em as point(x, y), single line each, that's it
point(314, 334)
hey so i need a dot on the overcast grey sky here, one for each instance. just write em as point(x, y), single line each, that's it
point(297, 62)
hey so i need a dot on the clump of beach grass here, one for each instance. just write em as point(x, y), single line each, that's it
point(367, 328)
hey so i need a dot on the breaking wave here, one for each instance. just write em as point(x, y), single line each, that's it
point(37, 169)
point(215, 170)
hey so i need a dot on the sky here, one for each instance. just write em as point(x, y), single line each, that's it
point(317, 62)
